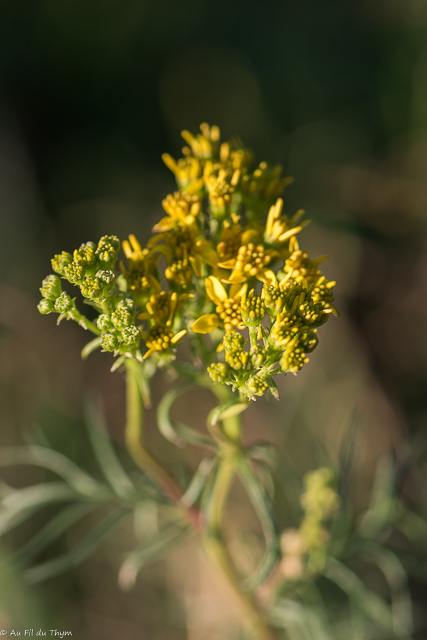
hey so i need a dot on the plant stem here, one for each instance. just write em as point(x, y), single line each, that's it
point(84, 322)
point(214, 542)
point(134, 421)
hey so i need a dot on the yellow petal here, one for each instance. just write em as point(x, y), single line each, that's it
point(237, 291)
point(126, 249)
point(134, 242)
point(252, 235)
point(228, 264)
point(170, 163)
point(156, 239)
point(197, 264)
point(206, 323)
point(178, 336)
point(237, 277)
point(267, 276)
point(149, 353)
point(165, 224)
point(208, 253)
point(290, 232)
point(215, 291)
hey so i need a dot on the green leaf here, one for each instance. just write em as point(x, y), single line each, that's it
point(175, 431)
point(54, 461)
point(381, 510)
point(266, 453)
point(198, 482)
point(229, 433)
point(143, 383)
point(19, 505)
point(90, 347)
point(226, 411)
point(301, 622)
point(368, 602)
point(52, 531)
point(265, 476)
point(102, 446)
point(80, 552)
point(264, 512)
point(273, 388)
point(395, 574)
point(153, 549)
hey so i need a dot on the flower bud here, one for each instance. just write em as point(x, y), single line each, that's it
point(256, 385)
point(104, 322)
point(85, 256)
point(233, 340)
point(109, 342)
point(106, 276)
point(45, 306)
point(60, 261)
point(252, 309)
point(258, 356)
point(293, 359)
point(107, 250)
point(219, 372)
point(93, 289)
point(121, 318)
point(237, 358)
point(273, 300)
point(74, 273)
point(63, 303)
point(129, 335)
point(51, 287)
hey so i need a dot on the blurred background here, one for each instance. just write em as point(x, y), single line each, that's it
point(91, 94)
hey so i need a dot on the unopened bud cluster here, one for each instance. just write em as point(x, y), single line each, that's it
point(304, 549)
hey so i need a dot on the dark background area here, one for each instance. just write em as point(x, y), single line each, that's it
point(91, 94)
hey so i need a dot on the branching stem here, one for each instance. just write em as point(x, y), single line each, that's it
point(213, 540)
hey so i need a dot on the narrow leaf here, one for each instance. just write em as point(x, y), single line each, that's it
point(102, 446)
point(395, 574)
point(19, 505)
point(52, 531)
point(175, 431)
point(264, 512)
point(79, 553)
point(54, 461)
point(227, 411)
point(152, 550)
point(381, 508)
point(368, 602)
point(90, 347)
point(198, 482)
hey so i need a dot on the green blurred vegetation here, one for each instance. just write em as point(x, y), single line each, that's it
point(91, 93)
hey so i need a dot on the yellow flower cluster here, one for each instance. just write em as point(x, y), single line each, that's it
point(223, 260)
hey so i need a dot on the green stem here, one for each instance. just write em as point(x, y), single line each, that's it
point(134, 421)
point(253, 336)
point(84, 322)
point(214, 542)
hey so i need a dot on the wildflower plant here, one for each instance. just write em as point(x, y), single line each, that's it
point(224, 275)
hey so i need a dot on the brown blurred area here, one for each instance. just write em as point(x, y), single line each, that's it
point(91, 94)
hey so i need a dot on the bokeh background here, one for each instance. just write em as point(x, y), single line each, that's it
point(91, 93)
